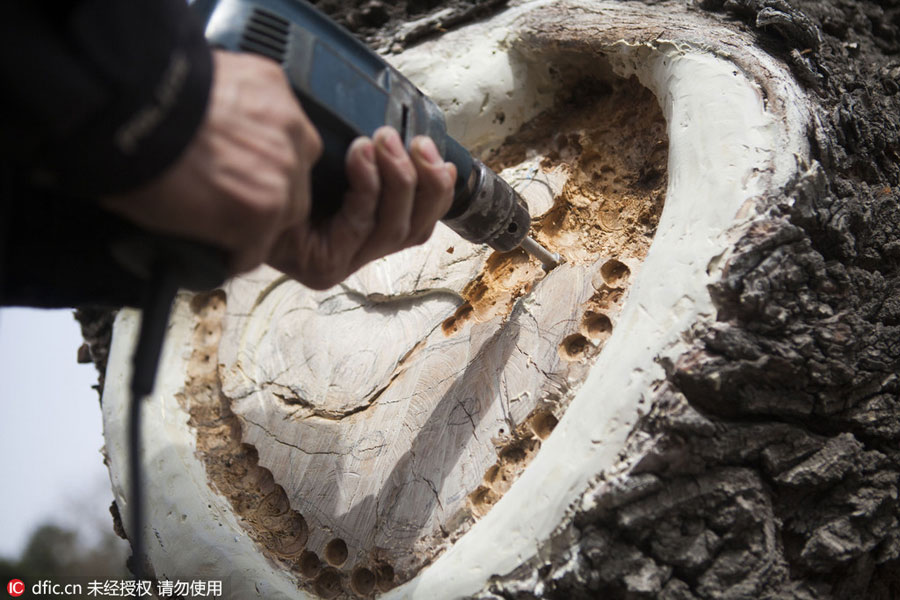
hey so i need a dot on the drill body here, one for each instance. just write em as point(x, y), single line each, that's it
point(347, 91)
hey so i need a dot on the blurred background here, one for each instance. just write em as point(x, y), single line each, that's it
point(55, 518)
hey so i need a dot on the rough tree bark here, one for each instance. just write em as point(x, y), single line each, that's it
point(727, 401)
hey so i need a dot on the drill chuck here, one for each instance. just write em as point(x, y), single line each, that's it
point(488, 211)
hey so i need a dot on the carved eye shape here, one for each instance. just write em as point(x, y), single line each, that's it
point(418, 415)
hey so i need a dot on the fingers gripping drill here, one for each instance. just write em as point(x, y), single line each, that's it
point(347, 91)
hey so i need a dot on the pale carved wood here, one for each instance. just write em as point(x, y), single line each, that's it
point(398, 406)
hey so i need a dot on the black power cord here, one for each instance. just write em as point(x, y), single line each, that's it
point(167, 264)
point(154, 320)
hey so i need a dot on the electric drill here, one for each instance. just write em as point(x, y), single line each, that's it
point(347, 91)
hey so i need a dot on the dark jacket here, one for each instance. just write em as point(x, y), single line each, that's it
point(99, 96)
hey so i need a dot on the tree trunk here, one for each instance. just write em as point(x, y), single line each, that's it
point(700, 402)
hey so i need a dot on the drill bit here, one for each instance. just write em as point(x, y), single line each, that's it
point(550, 260)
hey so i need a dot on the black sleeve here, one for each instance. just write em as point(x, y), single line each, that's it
point(57, 251)
point(99, 96)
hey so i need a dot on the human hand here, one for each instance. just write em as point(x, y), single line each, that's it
point(244, 174)
point(395, 199)
point(243, 184)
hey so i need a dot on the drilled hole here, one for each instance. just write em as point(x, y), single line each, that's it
point(543, 423)
point(615, 273)
point(293, 533)
point(596, 326)
point(459, 318)
point(309, 564)
point(384, 577)
point(483, 498)
point(336, 552)
point(573, 347)
point(362, 581)
point(328, 583)
point(266, 482)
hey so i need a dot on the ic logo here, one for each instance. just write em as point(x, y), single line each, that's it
point(15, 587)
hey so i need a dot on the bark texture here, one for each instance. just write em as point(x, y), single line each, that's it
point(394, 25)
point(778, 466)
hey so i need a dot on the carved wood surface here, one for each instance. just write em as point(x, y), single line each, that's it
point(402, 404)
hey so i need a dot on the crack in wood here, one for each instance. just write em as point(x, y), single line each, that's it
point(280, 441)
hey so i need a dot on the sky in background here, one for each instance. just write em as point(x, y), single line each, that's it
point(50, 430)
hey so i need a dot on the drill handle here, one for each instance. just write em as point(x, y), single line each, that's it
point(346, 89)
